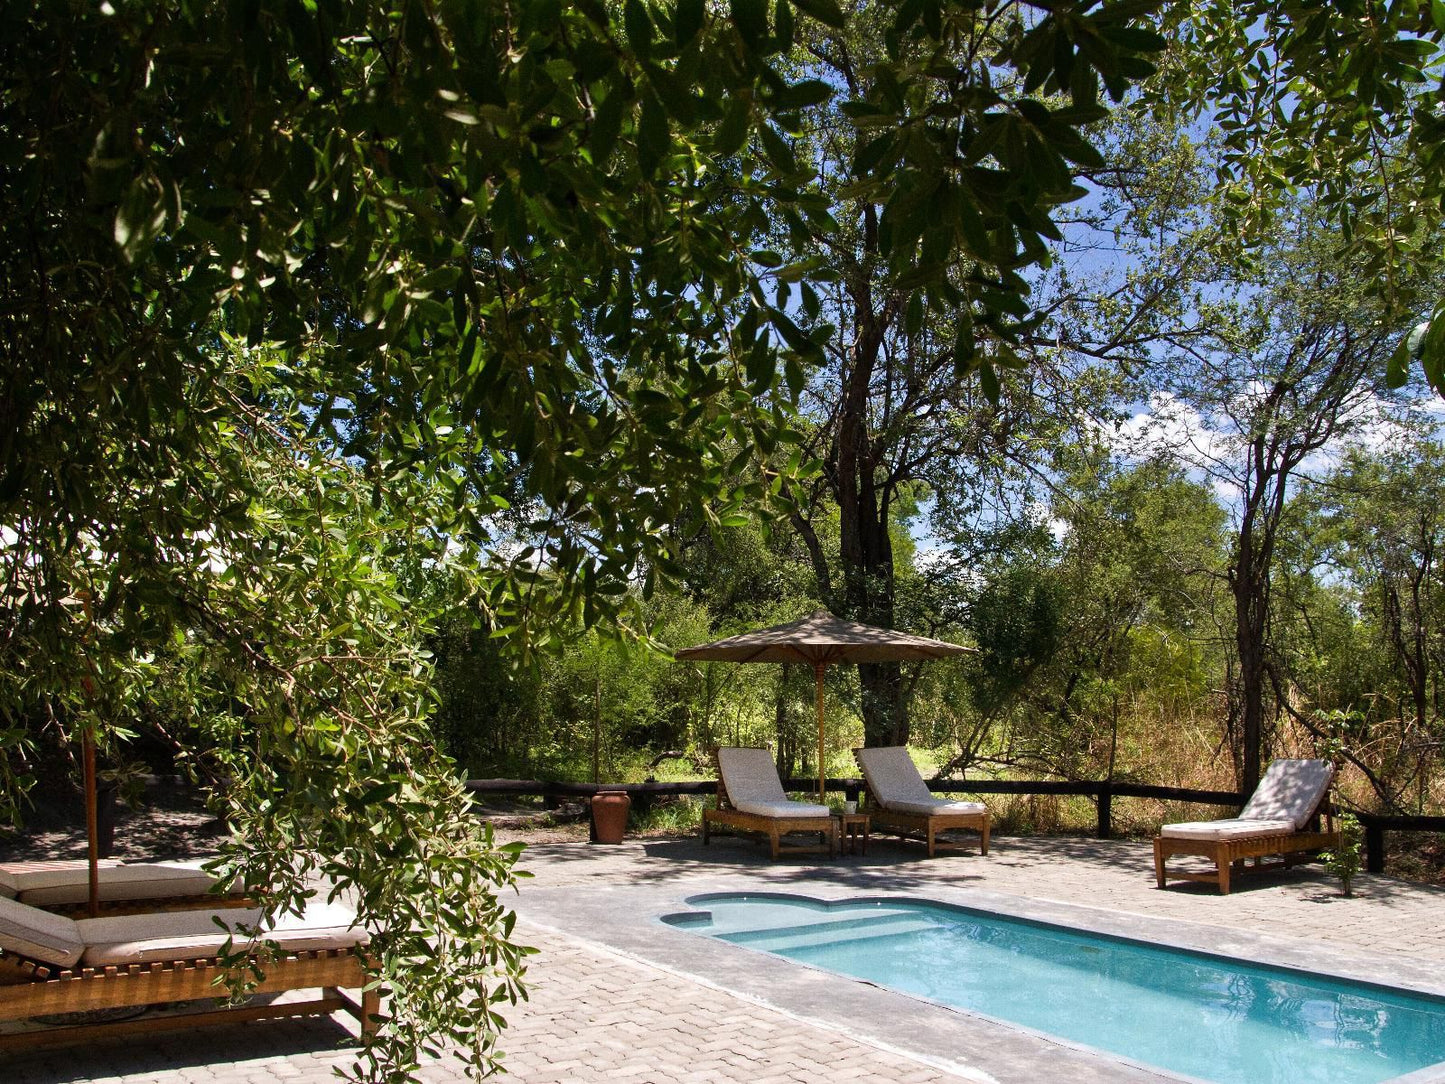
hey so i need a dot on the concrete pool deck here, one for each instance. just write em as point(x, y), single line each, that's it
point(617, 996)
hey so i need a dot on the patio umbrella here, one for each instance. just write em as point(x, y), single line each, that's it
point(819, 641)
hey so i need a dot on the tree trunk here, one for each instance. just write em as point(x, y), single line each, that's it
point(1249, 641)
point(865, 548)
point(787, 744)
point(1249, 583)
point(885, 718)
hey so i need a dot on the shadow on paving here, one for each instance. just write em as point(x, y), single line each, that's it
point(889, 867)
point(892, 865)
point(887, 864)
point(221, 1047)
point(173, 825)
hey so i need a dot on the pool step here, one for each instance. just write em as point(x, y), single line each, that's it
point(805, 935)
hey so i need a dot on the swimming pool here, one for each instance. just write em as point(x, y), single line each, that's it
point(1203, 1016)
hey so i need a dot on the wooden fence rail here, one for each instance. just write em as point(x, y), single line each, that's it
point(1103, 794)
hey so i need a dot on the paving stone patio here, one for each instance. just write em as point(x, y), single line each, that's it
point(600, 1011)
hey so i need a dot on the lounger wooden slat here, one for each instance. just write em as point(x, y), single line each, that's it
point(55, 966)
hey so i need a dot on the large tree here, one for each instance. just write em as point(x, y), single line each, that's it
point(928, 287)
point(1384, 528)
point(1293, 361)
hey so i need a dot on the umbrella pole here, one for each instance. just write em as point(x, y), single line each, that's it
point(92, 829)
point(822, 781)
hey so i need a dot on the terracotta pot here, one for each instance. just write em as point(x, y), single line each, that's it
point(609, 816)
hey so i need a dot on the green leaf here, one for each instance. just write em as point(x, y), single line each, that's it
point(687, 20)
point(812, 304)
point(871, 155)
point(1397, 369)
point(783, 27)
point(140, 217)
point(382, 792)
point(751, 19)
point(964, 346)
point(732, 133)
point(913, 314)
point(988, 379)
point(606, 126)
point(827, 12)
point(1432, 351)
point(791, 333)
point(779, 153)
point(639, 26)
point(808, 93)
point(654, 138)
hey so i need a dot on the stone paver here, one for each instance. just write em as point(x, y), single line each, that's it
point(591, 1016)
point(596, 1015)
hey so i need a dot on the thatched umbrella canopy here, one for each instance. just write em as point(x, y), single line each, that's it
point(819, 641)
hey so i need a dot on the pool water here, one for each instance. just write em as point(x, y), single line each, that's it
point(1203, 1016)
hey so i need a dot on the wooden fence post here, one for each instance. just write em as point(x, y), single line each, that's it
point(1374, 847)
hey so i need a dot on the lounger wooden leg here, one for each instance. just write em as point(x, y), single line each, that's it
point(1159, 859)
point(983, 837)
point(930, 839)
point(370, 1009)
point(773, 839)
point(1225, 867)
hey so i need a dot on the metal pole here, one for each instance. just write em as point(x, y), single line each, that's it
point(92, 829)
point(822, 774)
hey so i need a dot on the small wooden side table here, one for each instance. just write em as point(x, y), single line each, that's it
point(854, 834)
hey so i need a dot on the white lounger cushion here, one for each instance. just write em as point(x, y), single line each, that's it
point(142, 881)
point(29, 931)
point(938, 807)
point(1290, 790)
point(753, 786)
point(1235, 828)
point(782, 809)
point(894, 780)
point(188, 935)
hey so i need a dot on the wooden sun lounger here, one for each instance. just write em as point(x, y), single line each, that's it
point(773, 827)
point(55, 966)
point(1230, 855)
point(925, 827)
point(1292, 844)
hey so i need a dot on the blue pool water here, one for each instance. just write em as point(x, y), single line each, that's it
point(1203, 1016)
